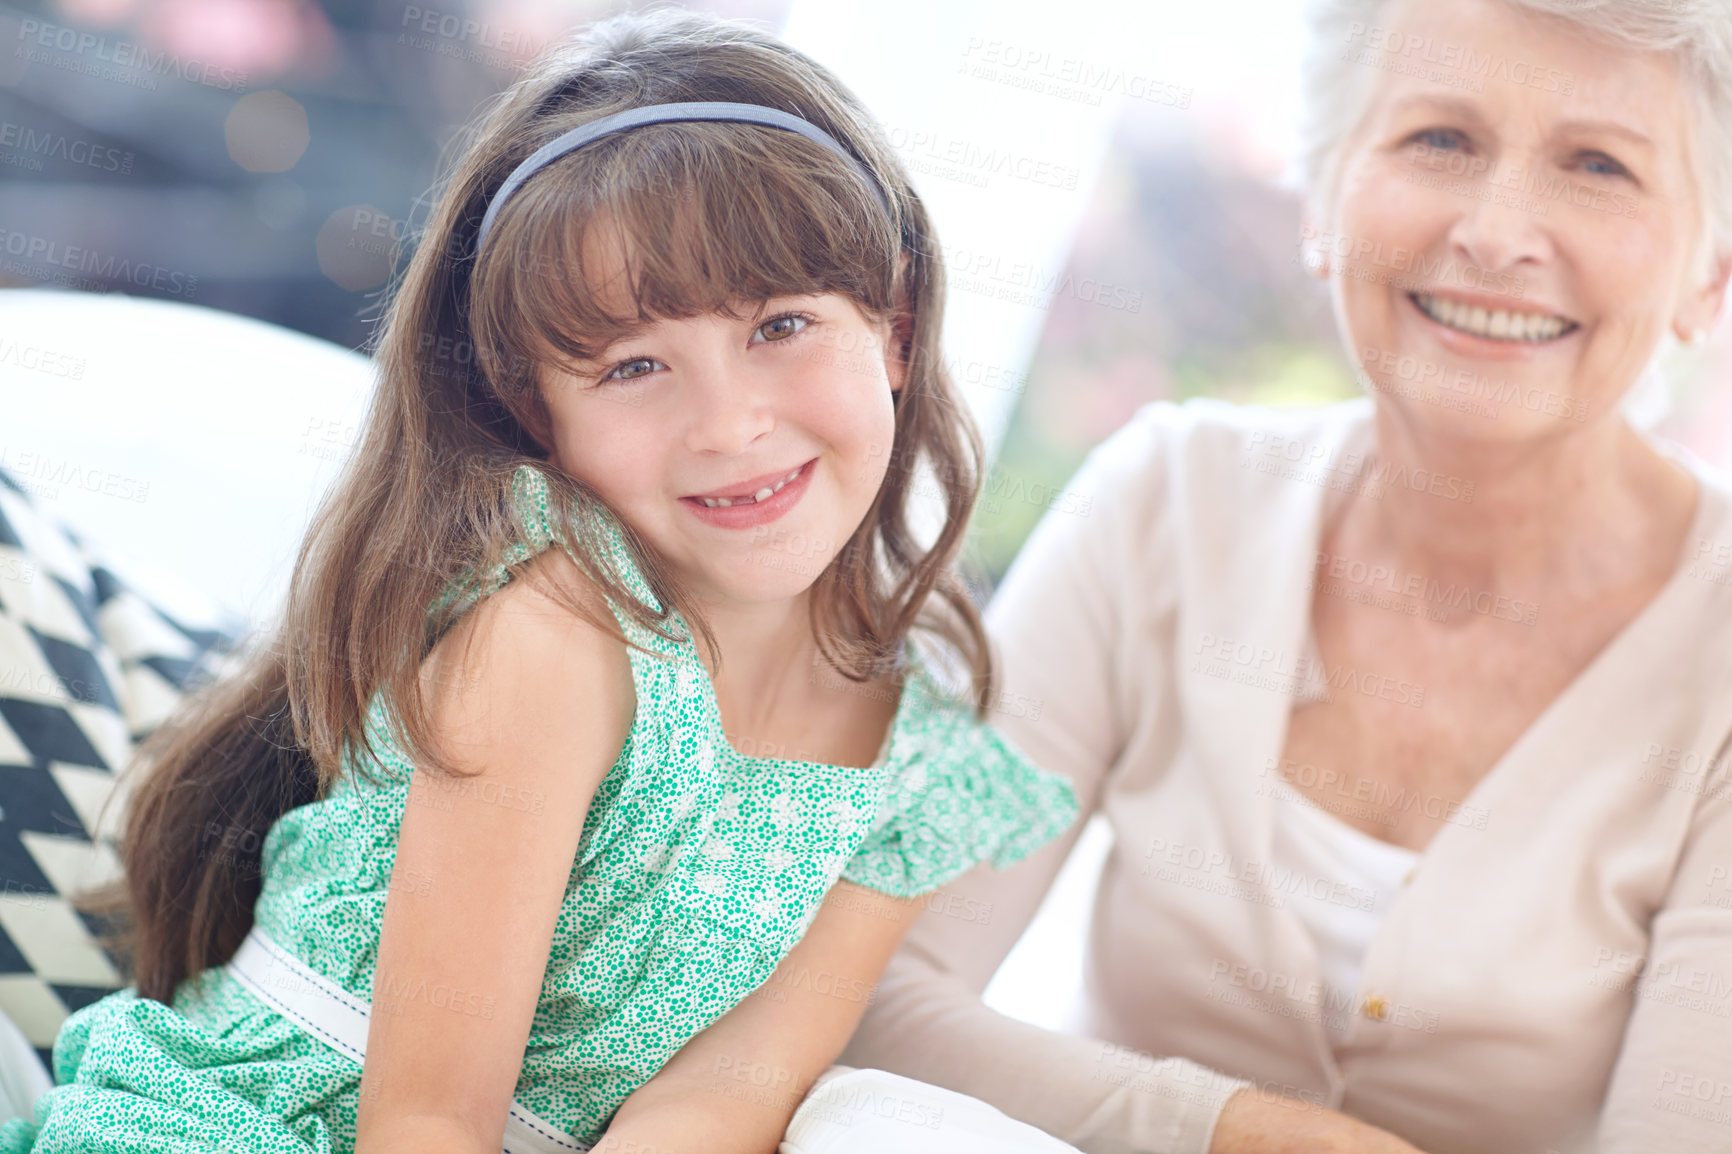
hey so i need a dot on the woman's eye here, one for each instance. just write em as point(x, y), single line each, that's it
point(1439, 138)
point(780, 328)
point(633, 369)
point(1599, 164)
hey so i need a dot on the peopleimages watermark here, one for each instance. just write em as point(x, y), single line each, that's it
point(1712, 562)
point(1308, 999)
point(1362, 474)
point(38, 359)
point(441, 791)
point(43, 258)
point(1176, 1078)
point(969, 162)
point(1720, 887)
point(17, 570)
point(1686, 770)
point(1417, 378)
point(1262, 667)
point(1021, 282)
point(928, 480)
point(1478, 178)
point(1216, 871)
point(44, 475)
point(1072, 78)
point(1366, 797)
point(941, 902)
point(328, 440)
point(1421, 591)
point(1672, 983)
point(1370, 259)
point(1447, 62)
point(395, 994)
point(33, 147)
point(464, 38)
point(88, 53)
point(1701, 1096)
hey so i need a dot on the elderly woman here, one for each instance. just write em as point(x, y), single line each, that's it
point(1409, 716)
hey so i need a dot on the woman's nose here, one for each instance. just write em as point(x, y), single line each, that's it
point(1495, 237)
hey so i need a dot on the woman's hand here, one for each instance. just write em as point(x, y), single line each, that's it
point(1253, 1124)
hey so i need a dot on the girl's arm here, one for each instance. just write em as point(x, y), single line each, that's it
point(540, 704)
point(733, 1088)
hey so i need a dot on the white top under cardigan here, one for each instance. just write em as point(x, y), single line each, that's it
point(1150, 634)
point(1346, 882)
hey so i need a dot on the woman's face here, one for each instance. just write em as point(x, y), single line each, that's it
point(745, 450)
point(1516, 221)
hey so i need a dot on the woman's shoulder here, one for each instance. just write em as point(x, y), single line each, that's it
point(1203, 470)
point(1189, 437)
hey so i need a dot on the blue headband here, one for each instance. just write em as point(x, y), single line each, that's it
point(662, 114)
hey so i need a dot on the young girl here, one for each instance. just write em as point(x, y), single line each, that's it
point(585, 789)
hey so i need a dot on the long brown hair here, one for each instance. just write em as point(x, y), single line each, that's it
point(718, 214)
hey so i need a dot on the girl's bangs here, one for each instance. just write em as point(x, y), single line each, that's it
point(676, 221)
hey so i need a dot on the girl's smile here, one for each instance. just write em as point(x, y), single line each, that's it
point(736, 420)
point(757, 501)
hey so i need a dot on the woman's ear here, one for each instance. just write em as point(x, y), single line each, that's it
point(1701, 309)
point(1313, 245)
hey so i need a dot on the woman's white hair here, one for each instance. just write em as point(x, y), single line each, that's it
point(1697, 32)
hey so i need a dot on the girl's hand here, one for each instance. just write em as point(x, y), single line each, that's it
point(1253, 1124)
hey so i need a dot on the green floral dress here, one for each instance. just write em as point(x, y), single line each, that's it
point(698, 869)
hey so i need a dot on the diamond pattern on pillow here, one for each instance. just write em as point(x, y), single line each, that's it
point(88, 667)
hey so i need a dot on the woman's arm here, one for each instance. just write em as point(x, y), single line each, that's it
point(1672, 1086)
point(733, 1088)
point(1071, 622)
point(928, 1022)
point(540, 704)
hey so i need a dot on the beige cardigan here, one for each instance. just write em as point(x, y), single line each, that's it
point(1555, 976)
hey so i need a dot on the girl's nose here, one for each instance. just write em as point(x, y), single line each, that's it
point(728, 410)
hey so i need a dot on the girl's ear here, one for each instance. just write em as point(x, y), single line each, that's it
point(901, 333)
point(901, 348)
point(533, 415)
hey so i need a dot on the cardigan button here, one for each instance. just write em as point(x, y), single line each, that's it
point(1375, 1008)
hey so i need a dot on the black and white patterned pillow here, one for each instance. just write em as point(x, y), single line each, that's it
point(88, 667)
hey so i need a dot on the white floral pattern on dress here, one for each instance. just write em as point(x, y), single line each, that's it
point(698, 869)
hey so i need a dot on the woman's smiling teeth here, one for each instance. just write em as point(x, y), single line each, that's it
point(1497, 324)
point(763, 494)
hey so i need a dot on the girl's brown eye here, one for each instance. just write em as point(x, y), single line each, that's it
point(633, 369)
point(782, 327)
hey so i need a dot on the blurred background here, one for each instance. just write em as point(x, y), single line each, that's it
point(1108, 178)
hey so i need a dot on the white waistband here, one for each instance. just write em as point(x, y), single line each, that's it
point(339, 1019)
